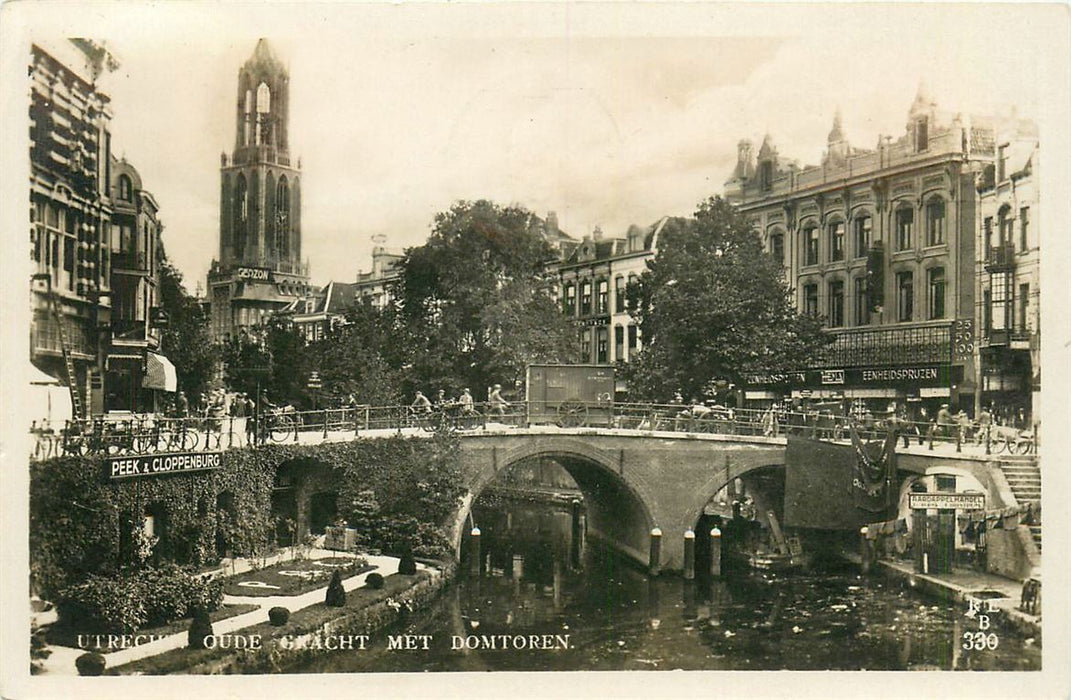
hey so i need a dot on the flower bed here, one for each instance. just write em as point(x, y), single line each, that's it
point(293, 577)
point(366, 611)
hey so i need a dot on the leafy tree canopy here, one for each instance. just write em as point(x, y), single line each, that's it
point(475, 302)
point(713, 305)
point(185, 340)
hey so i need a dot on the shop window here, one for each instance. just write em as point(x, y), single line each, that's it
point(905, 228)
point(935, 222)
point(936, 284)
point(836, 241)
point(863, 231)
point(905, 285)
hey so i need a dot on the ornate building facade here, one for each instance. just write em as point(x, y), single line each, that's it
point(259, 269)
point(881, 242)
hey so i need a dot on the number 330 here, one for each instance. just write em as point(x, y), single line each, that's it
point(980, 641)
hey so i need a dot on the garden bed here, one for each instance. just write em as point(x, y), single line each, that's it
point(61, 634)
point(293, 577)
point(366, 611)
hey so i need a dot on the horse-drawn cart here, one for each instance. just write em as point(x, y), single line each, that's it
point(570, 395)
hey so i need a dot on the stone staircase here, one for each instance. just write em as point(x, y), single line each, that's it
point(1024, 477)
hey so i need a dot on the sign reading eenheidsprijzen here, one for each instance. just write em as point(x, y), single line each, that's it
point(157, 465)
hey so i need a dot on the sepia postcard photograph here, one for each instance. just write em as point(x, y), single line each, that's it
point(535, 349)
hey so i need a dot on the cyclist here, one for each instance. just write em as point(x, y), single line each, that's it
point(420, 404)
point(498, 404)
point(441, 402)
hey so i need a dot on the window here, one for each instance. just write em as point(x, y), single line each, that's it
point(602, 298)
point(619, 295)
point(633, 339)
point(905, 285)
point(241, 215)
point(1005, 226)
point(935, 222)
point(1000, 289)
point(862, 302)
point(282, 217)
point(585, 345)
point(1024, 307)
point(922, 133)
point(936, 284)
point(905, 225)
point(1024, 221)
point(810, 299)
point(836, 304)
point(863, 229)
point(263, 98)
point(569, 301)
point(585, 298)
point(68, 261)
point(777, 247)
point(836, 241)
point(619, 342)
point(601, 347)
point(987, 311)
point(988, 232)
point(125, 189)
point(810, 245)
point(766, 175)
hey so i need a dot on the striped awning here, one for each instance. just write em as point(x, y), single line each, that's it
point(159, 373)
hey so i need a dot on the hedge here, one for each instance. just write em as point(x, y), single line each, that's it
point(396, 491)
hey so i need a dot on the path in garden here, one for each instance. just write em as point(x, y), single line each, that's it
point(62, 659)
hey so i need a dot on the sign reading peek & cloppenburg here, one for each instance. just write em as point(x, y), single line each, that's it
point(157, 465)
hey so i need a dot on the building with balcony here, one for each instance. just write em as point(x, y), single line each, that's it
point(70, 213)
point(136, 370)
point(594, 275)
point(259, 269)
point(881, 243)
point(1007, 269)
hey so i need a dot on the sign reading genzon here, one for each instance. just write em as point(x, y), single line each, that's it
point(155, 465)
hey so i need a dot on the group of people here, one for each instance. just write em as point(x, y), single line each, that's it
point(465, 404)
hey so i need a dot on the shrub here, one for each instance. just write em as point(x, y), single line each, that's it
point(278, 616)
point(200, 628)
point(374, 580)
point(90, 664)
point(407, 565)
point(336, 594)
point(134, 599)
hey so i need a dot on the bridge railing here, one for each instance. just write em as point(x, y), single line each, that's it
point(130, 434)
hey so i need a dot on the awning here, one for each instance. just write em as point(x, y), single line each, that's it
point(159, 373)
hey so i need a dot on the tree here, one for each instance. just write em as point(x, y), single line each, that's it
point(713, 305)
point(475, 303)
point(276, 361)
point(185, 340)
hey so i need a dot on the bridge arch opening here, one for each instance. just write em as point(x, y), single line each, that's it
point(613, 511)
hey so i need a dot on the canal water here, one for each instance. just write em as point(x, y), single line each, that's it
point(616, 618)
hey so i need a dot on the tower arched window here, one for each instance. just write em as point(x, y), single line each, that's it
point(263, 109)
point(263, 98)
point(241, 215)
point(282, 217)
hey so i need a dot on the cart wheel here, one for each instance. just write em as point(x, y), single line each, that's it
point(572, 414)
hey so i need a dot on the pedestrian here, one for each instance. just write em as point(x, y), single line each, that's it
point(498, 404)
point(183, 405)
point(250, 421)
point(944, 421)
point(465, 401)
point(985, 424)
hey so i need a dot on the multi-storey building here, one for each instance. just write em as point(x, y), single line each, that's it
point(259, 269)
point(317, 314)
point(1007, 272)
point(375, 283)
point(136, 369)
point(882, 244)
point(70, 218)
point(594, 275)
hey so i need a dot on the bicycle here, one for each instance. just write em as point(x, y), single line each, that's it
point(279, 424)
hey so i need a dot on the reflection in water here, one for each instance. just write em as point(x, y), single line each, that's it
point(539, 579)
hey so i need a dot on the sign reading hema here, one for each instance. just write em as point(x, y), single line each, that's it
point(155, 465)
point(253, 273)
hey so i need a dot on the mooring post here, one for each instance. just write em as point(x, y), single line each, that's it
point(715, 553)
point(476, 559)
point(864, 549)
point(689, 554)
point(655, 566)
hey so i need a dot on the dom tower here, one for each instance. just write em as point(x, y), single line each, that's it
point(259, 269)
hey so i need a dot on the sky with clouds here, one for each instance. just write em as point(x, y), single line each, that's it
point(607, 114)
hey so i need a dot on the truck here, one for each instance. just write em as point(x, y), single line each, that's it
point(570, 396)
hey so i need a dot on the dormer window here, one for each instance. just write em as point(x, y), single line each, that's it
point(125, 189)
point(766, 175)
point(922, 133)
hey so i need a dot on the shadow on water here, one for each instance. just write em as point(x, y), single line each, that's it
point(614, 617)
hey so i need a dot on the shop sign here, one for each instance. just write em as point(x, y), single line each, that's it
point(597, 321)
point(121, 468)
point(908, 377)
point(946, 501)
point(253, 273)
point(832, 376)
